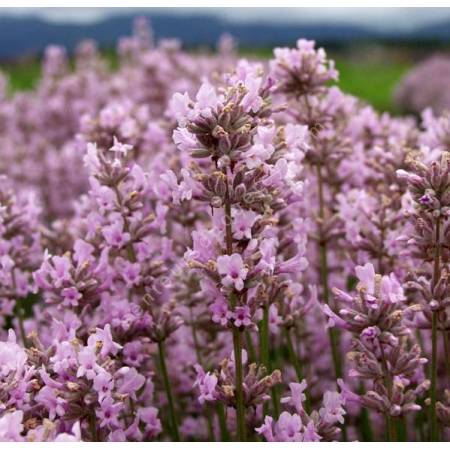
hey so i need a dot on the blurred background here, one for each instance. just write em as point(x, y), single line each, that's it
point(395, 58)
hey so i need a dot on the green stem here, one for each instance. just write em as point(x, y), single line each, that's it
point(224, 434)
point(401, 427)
point(173, 418)
point(237, 334)
point(433, 418)
point(209, 422)
point(389, 427)
point(264, 346)
point(364, 419)
point(293, 355)
point(264, 338)
point(240, 407)
point(250, 346)
point(93, 426)
point(323, 258)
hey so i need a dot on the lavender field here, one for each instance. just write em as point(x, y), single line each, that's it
point(200, 247)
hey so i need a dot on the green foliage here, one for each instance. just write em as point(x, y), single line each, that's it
point(23, 75)
point(370, 81)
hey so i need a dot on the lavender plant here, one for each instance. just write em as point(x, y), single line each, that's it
point(186, 238)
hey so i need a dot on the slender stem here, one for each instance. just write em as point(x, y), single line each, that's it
point(93, 426)
point(237, 334)
point(364, 420)
point(209, 422)
point(433, 418)
point(293, 355)
point(388, 418)
point(401, 429)
point(275, 362)
point(240, 408)
point(228, 222)
point(173, 418)
point(276, 402)
point(224, 434)
point(323, 257)
point(264, 346)
point(20, 314)
point(264, 357)
point(434, 332)
point(250, 346)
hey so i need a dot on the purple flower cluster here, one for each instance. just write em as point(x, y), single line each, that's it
point(190, 245)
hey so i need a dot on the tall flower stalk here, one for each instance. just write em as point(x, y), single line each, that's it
point(302, 75)
point(429, 188)
point(383, 350)
point(248, 183)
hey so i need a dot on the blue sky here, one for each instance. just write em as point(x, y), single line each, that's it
point(378, 18)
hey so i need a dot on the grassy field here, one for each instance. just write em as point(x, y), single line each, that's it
point(372, 81)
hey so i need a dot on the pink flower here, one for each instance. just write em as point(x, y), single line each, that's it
point(179, 106)
point(108, 347)
point(179, 191)
point(103, 383)
point(52, 401)
point(206, 98)
point(242, 317)
point(207, 385)
point(252, 101)
point(82, 251)
point(131, 273)
point(184, 140)
point(243, 222)
point(120, 148)
point(289, 428)
point(11, 427)
point(220, 312)
point(88, 363)
point(149, 417)
point(75, 436)
point(71, 296)
point(266, 429)
point(12, 356)
point(109, 413)
point(115, 236)
point(130, 381)
point(366, 275)
point(61, 269)
point(297, 396)
point(332, 410)
point(232, 270)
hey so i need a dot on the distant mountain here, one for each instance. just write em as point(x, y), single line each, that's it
point(438, 32)
point(23, 36)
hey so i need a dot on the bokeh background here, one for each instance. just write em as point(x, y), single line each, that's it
point(395, 58)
